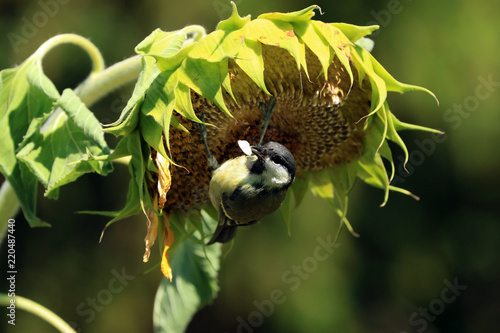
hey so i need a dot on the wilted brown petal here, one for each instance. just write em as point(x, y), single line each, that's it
point(164, 178)
point(152, 229)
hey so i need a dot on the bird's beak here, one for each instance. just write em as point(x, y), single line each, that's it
point(257, 150)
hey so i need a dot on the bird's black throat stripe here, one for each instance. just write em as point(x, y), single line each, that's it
point(258, 167)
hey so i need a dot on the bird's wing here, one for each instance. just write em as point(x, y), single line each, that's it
point(225, 231)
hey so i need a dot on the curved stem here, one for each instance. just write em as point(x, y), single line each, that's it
point(38, 310)
point(9, 206)
point(100, 84)
point(101, 81)
point(84, 43)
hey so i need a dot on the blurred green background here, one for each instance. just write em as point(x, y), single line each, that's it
point(427, 266)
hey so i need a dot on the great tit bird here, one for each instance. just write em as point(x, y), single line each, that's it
point(247, 188)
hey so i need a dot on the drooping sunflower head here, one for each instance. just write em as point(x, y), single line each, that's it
point(331, 110)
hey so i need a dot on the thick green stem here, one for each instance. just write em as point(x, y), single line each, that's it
point(38, 310)
point(9, 206)
point(84, 43)
point(101, 84)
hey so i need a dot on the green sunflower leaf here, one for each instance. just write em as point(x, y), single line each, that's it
point(162, 46)
point(354, 32)
point(206, 79)
point(139, 152)
point(129, 118)
point(400, 126)
point(219, 45)
point(26, 100)
point(161, 42)
point(379, 88)
point(316, 43)
point(386, 153)
point(234, 22)
point(372, 172)
point(57, 153)
point(183, 103)
point(391, 83)
point(166, 49)
point(403, 191)
point(343, 177)
point(322, 186)
point(250, 60)
point(157, 106)
point(337, 42)
point(300, 15)
point(299, 187)
point(394, 136)
point(194, 284)
point(280, 34)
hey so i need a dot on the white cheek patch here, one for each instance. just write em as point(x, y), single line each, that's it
point(245, 147)
point(275, 175)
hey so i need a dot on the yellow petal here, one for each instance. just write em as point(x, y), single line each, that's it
point(167, 243)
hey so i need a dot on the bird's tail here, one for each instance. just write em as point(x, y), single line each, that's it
point(223, 234)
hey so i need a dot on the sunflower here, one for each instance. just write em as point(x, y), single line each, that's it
point(331, 113)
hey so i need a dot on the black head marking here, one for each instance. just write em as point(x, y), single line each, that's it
point(259, 165)
point(279, 154)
